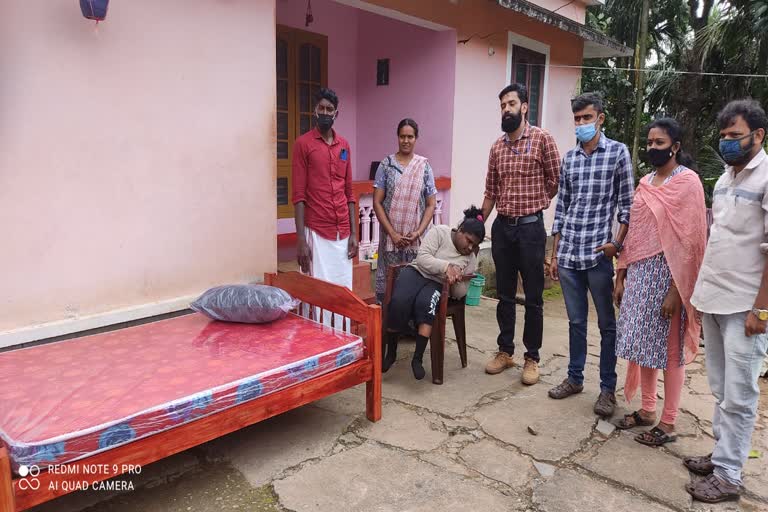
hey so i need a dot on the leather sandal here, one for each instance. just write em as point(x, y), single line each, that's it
point(700, 465)
point(711, 489)
point(637, 421)
point(655, 437)
point(565, 389)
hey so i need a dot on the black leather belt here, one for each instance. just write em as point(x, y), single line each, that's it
point(519, 221)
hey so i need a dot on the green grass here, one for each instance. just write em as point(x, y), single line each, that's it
point(554, 293)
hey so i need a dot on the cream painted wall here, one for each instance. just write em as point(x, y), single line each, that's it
point(137, 160)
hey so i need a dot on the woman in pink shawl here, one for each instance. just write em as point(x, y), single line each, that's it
point(658, 329)
point(404, 200)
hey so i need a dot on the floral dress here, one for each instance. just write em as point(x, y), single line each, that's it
point(642, 333)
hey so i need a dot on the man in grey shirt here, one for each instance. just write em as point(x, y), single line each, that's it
point(732, 294)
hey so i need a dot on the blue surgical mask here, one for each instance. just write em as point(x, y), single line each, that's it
point(732, 151)
point(586, 132)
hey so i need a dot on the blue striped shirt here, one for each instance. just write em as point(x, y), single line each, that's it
point(592, 188)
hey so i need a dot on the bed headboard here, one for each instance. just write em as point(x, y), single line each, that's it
point(322, 294)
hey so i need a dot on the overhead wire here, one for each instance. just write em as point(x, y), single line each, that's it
point(646, 70)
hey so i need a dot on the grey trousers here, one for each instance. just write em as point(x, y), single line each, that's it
point(733, 367)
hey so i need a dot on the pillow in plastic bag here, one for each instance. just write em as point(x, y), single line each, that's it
point(245, 303)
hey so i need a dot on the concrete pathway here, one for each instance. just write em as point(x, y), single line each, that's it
point(476, 443)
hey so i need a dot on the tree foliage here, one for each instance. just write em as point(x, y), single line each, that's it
point(727, 38)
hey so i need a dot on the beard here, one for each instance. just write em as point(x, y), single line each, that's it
point(511, 122)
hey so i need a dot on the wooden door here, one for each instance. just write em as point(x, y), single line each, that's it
point(302, 69)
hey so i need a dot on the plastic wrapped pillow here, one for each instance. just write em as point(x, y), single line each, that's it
point(245, 303)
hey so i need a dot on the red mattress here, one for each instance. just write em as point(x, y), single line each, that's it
point(64, 401)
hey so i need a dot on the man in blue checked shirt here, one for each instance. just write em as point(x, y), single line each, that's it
point(596, 182)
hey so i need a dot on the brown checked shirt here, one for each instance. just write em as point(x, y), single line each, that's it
point(523, 175)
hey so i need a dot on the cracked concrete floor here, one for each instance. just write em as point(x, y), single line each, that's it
point(476, 442)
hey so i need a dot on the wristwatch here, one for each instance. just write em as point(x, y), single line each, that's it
point(761, 314)
point(619, 246)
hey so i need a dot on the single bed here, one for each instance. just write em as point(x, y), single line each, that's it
point(129, 397)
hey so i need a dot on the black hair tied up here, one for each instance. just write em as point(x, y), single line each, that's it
point(473, 223)
point(408, 122)
point(675, 132)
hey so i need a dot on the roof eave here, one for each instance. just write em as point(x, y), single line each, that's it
point(596, 44)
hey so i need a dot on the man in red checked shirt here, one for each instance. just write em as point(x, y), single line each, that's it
point(522, 179)
point(326, 220)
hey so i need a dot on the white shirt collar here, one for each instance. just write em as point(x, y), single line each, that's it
point(761, 155)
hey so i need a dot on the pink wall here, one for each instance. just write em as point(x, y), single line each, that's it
point(449, 88)
point(481, 73)
point(339, 23)
point(422, 72)
point(421, 86)
point(481, 77)
point(422, 75)
point(137, 162)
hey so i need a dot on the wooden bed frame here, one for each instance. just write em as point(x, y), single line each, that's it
point(365, 321)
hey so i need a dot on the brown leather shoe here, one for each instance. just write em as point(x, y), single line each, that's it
point(500, 362)
point(564, 390)
point(606, 404)
point(530, 372)
point(711, 489)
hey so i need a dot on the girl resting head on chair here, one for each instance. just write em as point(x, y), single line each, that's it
point(445, 255)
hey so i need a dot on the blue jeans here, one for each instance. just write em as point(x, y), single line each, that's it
point(733, 367)
point(599, 282)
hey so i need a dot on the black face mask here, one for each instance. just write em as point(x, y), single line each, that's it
point(659, 157)
point(511, 122)
point(324, 122)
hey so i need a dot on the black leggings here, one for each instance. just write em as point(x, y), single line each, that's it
point(415, 300)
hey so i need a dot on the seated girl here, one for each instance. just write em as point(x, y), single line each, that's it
point(445, 255)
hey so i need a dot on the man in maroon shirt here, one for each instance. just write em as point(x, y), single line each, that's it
point(522, 179)
point(326, 220)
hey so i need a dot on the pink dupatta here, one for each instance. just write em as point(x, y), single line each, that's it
point(670, 219)
point(404, 213)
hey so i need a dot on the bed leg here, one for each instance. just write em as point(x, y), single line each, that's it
point(7, 501)
point(373, 386)
point(372, 400)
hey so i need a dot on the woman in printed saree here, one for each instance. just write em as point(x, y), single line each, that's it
point(658, 328)
point(404, 201)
